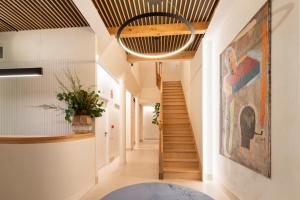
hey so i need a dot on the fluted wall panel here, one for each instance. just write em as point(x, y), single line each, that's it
point(20, 98)
point(55, 51)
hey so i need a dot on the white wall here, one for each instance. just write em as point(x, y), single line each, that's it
point(135, 69)
point(149, 92)
point(111, 55)
point(172, 70)
point(141, 121)
point(128, 120)
point(90, 13)
point(230, 18)
point(150, 131)
point(55, 51)
point(147, 72)
point(191, 79)
point(114, 59)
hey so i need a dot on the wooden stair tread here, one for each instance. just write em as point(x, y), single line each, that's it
point(181, 169)
point(173, 117)
point(171, 82)
point(182, 134)
point(171, 109)
point(172, 93)
point(176, 116)
point(178, 127)
point(178, 135)
point(179, 120)
point(168, 97)
point(181, 159)
point(175, 93)
point(180, 151)
point(179, 123)
point(173, 100)
point(181, 142)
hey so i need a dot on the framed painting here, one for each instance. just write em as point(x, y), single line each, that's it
point(245, 117)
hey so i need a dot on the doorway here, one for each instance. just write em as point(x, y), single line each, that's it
point(130, 121)
point(107, 126)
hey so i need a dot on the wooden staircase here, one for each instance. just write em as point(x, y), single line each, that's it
point(179, 158)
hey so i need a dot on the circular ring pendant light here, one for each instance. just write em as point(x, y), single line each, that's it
point(156, 14)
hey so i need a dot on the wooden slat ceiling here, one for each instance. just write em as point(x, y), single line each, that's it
point(116, 12)
point(19, 15)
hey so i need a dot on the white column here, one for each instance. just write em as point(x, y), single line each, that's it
point(207, 114)
point(137, 122)
point(141, 135)
point(122, 122)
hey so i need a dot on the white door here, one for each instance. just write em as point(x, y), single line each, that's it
point(113, 132)
point(102, 140)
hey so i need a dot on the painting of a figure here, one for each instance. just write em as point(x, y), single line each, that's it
point(245, 117)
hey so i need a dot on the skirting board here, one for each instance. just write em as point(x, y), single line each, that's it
point(230, 195)
point(81, 193)
point(108, 169)
point(208, 177)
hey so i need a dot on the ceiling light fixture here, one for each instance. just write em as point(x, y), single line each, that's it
point(156, 14)
point(20, 72)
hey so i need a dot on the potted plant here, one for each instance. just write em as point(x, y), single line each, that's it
point(156, 114)
point(82, 105)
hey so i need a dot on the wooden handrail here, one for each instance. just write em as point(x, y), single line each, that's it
point(161, 122)
point(44, 139)
point(158, 68)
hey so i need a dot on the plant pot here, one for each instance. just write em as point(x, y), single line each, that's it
point(82, 124)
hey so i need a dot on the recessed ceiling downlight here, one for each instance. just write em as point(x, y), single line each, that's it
point(20, 72)
point(156, 14)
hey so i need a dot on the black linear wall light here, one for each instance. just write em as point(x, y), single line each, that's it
point(20, 72)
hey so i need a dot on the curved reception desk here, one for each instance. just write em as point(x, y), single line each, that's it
point(47, 168)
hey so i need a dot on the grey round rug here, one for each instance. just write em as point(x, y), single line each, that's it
point(156, 191)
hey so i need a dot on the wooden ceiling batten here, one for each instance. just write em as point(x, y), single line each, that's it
point(185, 55)
point(212, 10)
point(115, 20)
point(40, 21)
point(49, 11)
point(44, 12)
point(39, 14)
point(159, 30)
point(27, 22)
point(170, 33)
point(8, 18)
point(5, 26)
point(67, 12)
point(206, 9)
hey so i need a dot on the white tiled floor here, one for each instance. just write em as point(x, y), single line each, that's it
point(142, 166)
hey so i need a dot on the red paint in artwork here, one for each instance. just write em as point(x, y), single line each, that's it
point(264, 75)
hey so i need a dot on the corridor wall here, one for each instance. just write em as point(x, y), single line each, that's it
point(230, 17)
point(191, 80)
point(150, 131)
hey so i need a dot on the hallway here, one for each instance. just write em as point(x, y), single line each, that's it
point(142, 166)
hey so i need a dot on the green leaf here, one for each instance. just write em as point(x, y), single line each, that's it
point(78, 101)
